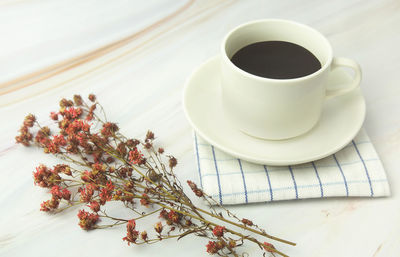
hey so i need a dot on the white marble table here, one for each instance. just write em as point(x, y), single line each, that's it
point(136, 55)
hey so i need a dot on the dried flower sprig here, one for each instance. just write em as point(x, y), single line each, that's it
point(105, 166)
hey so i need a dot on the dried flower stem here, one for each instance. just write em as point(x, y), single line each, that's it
point(107, 166)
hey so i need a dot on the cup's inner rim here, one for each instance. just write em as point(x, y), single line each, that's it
point(324, 64)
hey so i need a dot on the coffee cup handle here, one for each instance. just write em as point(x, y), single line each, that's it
point(339, 62)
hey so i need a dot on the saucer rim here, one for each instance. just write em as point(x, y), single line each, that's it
point(263, 161)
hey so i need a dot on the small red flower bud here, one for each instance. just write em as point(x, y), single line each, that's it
point(45, 130)
point(71, 113)
point(247, 222)
point(24, 137)
point(99, 166)
point(160, 150)
point(136, 157)
point(56, 192)
point(44, 177)
point(145, 200)
point(65, 103)
point(158, 227)
point(198, 193)
point(132, 142)
point(131, 233)
point(131, 224)
point(191, 184)
point(121, 148)
point(269, 247)
point(87, 193)
point(220, 244)
point(109, 129)
point(22, 140)
point(59, 140)
point(106, 193)
point(110, 159)
point(54, 116)
point(219, 231)
point(95, 206)
point(212, 247)
point(62, 168)
point(29, 120)
point(142, 161)
point(66, 194)
point(44, 206)
point(163, 214)
point(92, 97)
point(148, 145)
point(143, 235)
point(174, 217)
point(128, 185)
point(87, 220)
point(232, 243)
point(54, 202)
point(50, 205)
point(149, 135)
point(78, 100)
point(172, 162)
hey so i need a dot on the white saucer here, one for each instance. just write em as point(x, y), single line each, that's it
point(341, 119)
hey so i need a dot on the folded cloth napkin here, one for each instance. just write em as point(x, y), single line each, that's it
point(356, 170)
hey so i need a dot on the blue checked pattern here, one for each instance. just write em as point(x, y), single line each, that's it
point(354, 171)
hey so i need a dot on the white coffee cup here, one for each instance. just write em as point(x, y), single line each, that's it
point(278, 108)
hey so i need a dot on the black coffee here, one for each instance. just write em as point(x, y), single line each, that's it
point(276, 60)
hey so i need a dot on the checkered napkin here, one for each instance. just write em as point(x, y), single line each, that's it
point(353, 171)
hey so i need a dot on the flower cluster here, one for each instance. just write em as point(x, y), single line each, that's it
point(198, 192)
point(60, 193)
point(87, 192)
point(45, 177)
point(87, 220)
point(218, 231)
point(25, 137)
point(105, 166)
point(131, 234)
point(106, 192)
point(136, 157)
point(214, 247)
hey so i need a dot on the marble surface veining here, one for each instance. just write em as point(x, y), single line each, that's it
point(136, 55)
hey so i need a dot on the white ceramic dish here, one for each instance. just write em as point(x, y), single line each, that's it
point(342, 117)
